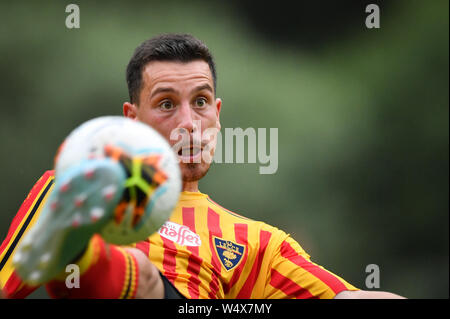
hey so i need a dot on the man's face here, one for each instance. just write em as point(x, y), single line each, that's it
point(178, 100)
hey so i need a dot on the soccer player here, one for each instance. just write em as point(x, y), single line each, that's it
point(204, 250)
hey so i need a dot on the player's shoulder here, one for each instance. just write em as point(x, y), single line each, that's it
point(233, 217)
point(226, 213)
point(47, 176)
point(42, 185)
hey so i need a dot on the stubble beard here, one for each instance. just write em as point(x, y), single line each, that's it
point(192, 172)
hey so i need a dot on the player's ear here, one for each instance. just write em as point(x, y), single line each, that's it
point(130, 110)
point(218, 107)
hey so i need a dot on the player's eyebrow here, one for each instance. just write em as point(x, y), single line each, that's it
point(163, 90)
point(171, 90)
point(203, 87)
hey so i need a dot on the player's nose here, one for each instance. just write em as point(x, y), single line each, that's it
point(186, 118)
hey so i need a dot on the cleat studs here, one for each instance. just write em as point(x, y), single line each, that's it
point(76, 221)
point(79, 200)
point(35, 275)
point(54, 205)
point(97, 213)
point(27, 241)
point(109, 191)
point(89, 173)
point(45, 259)
point(65, 187)
point(17, 257)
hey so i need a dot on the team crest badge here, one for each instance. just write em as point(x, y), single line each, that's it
point(229, 253)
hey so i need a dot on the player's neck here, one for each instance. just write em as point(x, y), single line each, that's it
point(190, 186)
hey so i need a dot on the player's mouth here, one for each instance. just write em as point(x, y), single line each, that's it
point(190, 154)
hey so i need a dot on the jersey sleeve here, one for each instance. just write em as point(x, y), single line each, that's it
point(25, 218)
point(292, 274)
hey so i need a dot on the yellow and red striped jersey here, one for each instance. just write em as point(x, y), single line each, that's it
point(206, 251)
point(25, 218)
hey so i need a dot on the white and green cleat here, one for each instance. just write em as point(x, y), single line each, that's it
point(113, 176)
point(81, 203)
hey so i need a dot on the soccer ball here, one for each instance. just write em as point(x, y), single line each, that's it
point(152, 182)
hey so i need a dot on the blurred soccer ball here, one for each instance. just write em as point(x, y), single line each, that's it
point(153, 180)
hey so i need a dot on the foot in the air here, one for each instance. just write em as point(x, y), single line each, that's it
point(81, 202)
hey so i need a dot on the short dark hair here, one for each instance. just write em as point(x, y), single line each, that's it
point(165, 47)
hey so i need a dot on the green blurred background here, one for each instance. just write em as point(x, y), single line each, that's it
point(362, 116)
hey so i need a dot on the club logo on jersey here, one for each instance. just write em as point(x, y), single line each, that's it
point(229, 253)
point(179, 234)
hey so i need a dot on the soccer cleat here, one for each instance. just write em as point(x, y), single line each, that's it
point(115, 177)
point(76, 209)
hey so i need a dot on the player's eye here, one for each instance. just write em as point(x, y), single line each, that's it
point(166, 105)
point(200, 102)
